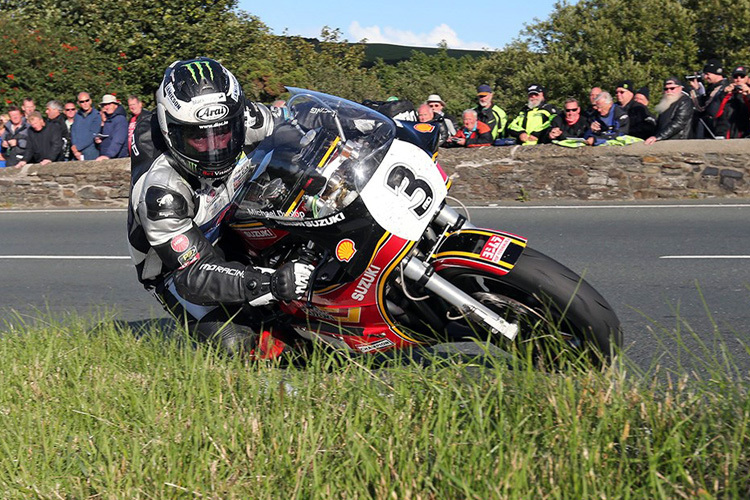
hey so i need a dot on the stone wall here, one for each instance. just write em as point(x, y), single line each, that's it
point(669, 169)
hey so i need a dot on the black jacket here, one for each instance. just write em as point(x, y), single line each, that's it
point(44, 145)
point(571, 131)
point(59, 122)
point(707, 107)
point(642, 122)
point(674, 123)
point(733, 118)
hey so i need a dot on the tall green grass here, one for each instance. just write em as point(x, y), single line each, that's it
point(104, 413)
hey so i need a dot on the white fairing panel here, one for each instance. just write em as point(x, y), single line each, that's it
point(405, 191)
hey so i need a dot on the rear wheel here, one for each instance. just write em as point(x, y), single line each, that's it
point(555, 309)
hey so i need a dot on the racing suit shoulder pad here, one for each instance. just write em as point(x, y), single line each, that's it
point(165, 203)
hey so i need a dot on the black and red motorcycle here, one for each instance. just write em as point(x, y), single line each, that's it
point(362, 198)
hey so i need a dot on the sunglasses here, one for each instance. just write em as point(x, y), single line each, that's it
point(669, 89)
point(70, 109)
point(571, 110)
point(84, 100)
point(620, 91)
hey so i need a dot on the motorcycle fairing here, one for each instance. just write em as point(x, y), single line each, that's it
point(483, 249)
point(355, 314)
point(405, 192)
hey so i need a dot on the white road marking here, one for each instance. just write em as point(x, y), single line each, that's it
point(65, 257)
point(705, 257)
point(598, 207)
point(62, 210)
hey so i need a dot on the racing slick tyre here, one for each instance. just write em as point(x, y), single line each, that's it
point(552, 305)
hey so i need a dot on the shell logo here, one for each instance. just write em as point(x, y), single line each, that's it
point(345, 250)
point(424, 127)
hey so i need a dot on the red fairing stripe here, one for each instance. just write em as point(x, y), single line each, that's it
point(440, 264)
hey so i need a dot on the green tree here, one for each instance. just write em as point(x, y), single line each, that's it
point(722, 29)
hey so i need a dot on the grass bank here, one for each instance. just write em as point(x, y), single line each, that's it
point(111, 415)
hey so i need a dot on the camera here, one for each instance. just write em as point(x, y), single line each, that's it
point(694, 76)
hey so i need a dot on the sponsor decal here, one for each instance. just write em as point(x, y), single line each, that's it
point(365, 282)
point(169, 93)
point(211, 112)
point(179, 243)
point(317, 313)
point(494, 249)
point(380, 344)
point(254, 212)
point(229, 271)
point(188, 257)
point(167, 199)
point(328, 221)
point(258, 234)
point(345, 250)
point(200, 70)
point(425, 128)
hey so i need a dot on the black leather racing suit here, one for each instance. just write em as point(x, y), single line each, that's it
point(174, 232)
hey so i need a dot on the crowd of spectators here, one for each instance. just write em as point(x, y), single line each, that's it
point(69, 132)
point(715, 108)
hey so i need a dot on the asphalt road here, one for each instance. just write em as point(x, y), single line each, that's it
point(663, 267)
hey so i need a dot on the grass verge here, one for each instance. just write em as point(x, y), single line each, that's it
point(104, 413)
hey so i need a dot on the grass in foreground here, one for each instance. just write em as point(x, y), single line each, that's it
point(107, 415)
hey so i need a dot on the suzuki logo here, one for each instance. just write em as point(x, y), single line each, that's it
point(212, 112)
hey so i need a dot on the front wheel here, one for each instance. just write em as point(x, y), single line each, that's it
point(552, 305)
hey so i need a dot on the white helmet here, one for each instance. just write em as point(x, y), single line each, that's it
point(200, 106)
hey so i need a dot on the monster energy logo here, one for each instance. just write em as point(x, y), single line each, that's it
point(196, 69)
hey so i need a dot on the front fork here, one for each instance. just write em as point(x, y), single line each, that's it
point(423, 274)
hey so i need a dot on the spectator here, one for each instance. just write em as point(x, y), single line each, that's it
point(55, 118)
point(707, 102)
point(571, 124)
point(28, 107)
point(533, 122)
point(490, 114)
point(113, 139)
point(15, 136)
point(4, 118)
point(642, 122)
point(85, 127)
point(591, 113)
point(642, 95)
point(138, 115)
point(45, 142)
point(675, 113)
point(70, 113)
point(612, 121)
point(437, 105)
point(473, 134)
point(425, 114)
point(733, 118)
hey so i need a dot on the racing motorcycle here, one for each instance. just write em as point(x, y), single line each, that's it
point(361, 197)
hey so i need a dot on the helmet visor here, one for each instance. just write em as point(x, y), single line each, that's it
point(209, 145)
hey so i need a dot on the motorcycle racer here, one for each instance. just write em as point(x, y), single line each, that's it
point(188, 168)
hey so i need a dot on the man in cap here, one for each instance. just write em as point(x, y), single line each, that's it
point(533, 123)
point(642, 122)
point(733, 118)
point(491, 114)
point(675, 113)
point(113, 139)
point(447, 122)
point(707, 102)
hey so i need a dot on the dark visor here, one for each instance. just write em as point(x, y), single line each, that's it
point(208, 144)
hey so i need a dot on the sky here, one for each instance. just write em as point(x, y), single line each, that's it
point(463, 25)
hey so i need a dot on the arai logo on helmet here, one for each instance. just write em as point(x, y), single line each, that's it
point(211, 112)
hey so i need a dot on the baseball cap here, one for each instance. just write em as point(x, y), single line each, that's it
point(673, 80)
point(484, 89)
point(740, 70)
point(535, 88)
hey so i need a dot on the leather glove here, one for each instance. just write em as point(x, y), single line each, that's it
point(290, 281)
point(258, 123)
